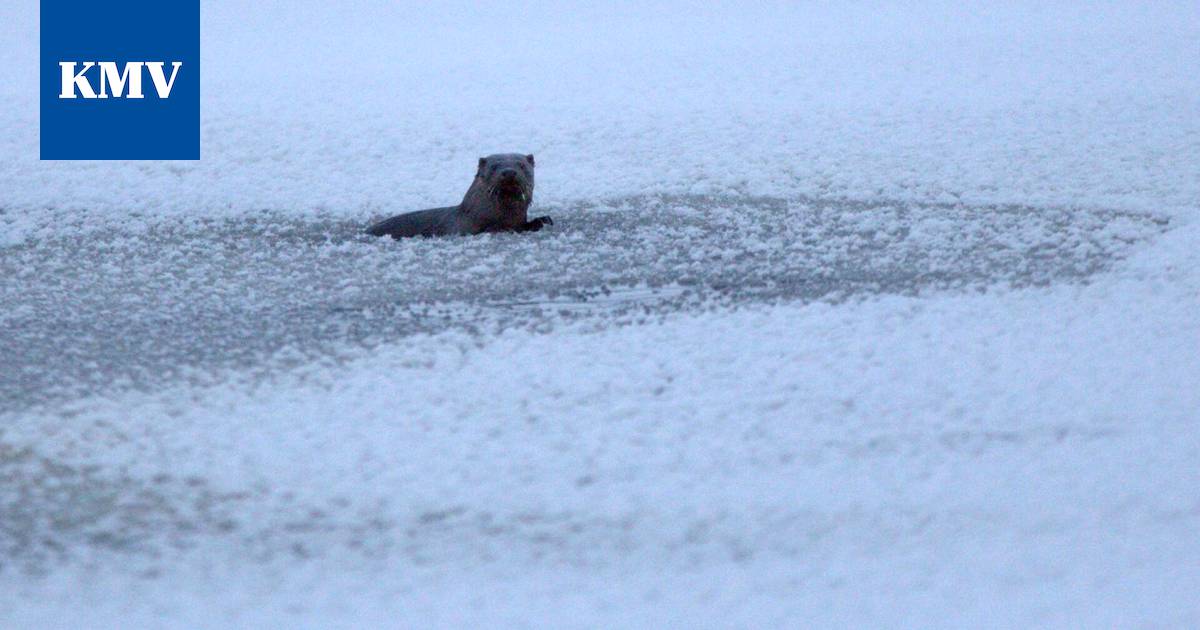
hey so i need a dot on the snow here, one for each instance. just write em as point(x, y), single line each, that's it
point(881, 314)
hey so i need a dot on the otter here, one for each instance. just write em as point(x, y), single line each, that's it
point(497, 201)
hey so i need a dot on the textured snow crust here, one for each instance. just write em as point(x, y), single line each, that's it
point(879, 314)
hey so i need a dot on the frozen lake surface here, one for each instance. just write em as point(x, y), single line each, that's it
point(850, 316)
point(140, 309)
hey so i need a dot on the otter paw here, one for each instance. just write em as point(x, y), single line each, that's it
point(536, 224)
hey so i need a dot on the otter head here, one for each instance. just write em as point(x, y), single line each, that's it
point(508, 177)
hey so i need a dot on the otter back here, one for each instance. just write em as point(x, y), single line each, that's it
point(435, 222)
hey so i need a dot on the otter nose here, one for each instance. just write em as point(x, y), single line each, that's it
point(508, 173)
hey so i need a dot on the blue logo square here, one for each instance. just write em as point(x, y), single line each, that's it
point(120, 80)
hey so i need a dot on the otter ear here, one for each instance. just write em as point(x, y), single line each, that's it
point(482, 163)
point(530, 158)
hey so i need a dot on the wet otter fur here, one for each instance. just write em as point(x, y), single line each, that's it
point(497, 201)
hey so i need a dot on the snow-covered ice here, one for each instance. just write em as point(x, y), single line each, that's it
point(882, 314)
